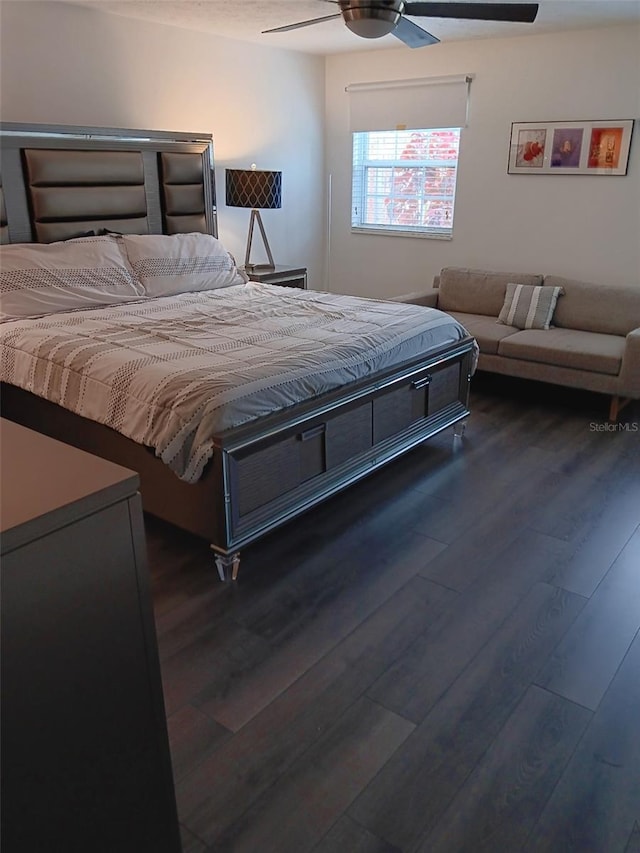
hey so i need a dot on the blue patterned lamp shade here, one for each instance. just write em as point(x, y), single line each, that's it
point(254, 188)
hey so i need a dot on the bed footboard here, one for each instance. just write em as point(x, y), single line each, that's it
point(272, 474)
point(270, 470)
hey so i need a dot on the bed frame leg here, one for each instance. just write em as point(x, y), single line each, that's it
point(459, 428)
point(228, 565)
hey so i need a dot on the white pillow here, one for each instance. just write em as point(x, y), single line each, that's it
point(45, 278)
point(180, 263)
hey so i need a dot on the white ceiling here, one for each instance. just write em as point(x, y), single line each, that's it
point(245, 20)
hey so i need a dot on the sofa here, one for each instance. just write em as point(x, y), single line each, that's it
point(593, 341)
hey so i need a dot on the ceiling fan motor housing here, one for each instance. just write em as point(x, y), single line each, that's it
point(372, 19)
point(369, 19)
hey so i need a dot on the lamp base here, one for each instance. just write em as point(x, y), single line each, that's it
point(255, 217)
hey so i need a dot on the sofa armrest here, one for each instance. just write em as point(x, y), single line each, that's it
point(630, 369)
point(427, 297)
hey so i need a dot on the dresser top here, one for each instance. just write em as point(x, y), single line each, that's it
point(45, 484)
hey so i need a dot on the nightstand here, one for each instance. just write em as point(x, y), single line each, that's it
point(283, 276)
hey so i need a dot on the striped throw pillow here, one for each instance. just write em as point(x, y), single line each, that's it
point(529, 307)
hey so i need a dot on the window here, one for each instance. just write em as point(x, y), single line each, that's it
point(404, 181)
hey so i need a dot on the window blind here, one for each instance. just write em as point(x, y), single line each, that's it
point(399, 104)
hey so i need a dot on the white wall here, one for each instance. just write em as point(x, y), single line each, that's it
point(64, 64)
point(582, 227)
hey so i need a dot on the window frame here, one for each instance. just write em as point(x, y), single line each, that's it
point(360, 165)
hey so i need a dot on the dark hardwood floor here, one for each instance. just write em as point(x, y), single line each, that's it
point(444, 658)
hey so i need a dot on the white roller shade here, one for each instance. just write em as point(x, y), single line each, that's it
point(429, 102)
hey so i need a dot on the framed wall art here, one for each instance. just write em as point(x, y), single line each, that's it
point(570, 147)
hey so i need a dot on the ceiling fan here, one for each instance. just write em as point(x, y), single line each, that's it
point(376, 18)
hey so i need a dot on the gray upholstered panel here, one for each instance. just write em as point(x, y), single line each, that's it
point(180, 200)
point(178, 168)
point(72, 192)
point(48, 167)
point(55, 203)
point(185, 224)
point(183, 199)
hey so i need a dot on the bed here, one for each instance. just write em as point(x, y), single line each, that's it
point(317, 412)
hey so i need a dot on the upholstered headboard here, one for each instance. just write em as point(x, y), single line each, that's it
point(61, 182)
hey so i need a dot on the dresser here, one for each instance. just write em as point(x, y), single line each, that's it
point(85, 754)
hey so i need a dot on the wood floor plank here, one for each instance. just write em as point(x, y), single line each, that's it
point(500, 802)
point(412, 791)
point(276, 568)
point(572, 509)
point(264, 749)
point(572, 441)
point(589, 441)
point(179, 625)
point(417, 680)
point(192, 737)
point(346, 836)
point(243, 691)
point(341, 571)
point(596, 804)
point(183, 568)
point(633, 844)
point(588, 449)
point(180, 564)
point(474, 551)
point(323, 785)
point(474, 458)
point(218, 660)
point(585, 661)
point(190, 843)
point(598, 542)
point(496, 486)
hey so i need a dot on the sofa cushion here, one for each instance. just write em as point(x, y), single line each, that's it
point(478, 291)
point(485, 330)
point(611, 309)
point(591, 351)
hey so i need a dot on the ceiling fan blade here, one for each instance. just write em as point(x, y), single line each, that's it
point(413, 35)
point(524, 13)
point(302, 24)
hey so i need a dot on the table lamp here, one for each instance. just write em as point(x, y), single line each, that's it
point(257, 189)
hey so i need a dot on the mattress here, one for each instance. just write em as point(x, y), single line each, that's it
point(172, 372)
